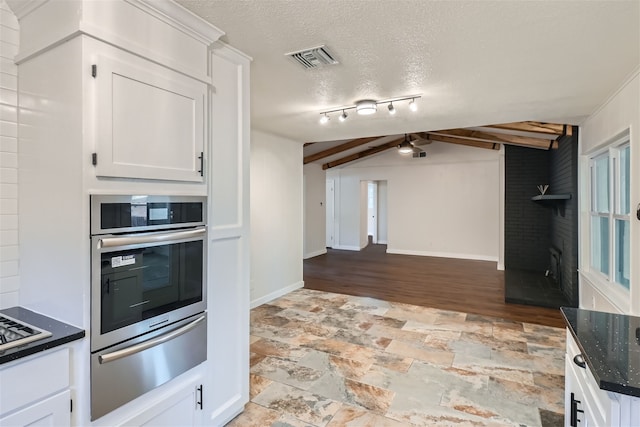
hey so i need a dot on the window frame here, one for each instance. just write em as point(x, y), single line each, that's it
point(613, 212)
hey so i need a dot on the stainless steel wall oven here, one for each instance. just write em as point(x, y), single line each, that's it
point(148, 294)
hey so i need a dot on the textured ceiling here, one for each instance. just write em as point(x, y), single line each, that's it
point(473, 62)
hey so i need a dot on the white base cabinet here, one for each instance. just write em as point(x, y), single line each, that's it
point(181, 412)
point(180, 407)
point(586, 405)
point(53, 411)
point(27, 400)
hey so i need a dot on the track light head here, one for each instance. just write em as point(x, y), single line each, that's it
point(412, 105)
point(343, 116)
point(392, 109)
point(324, 119)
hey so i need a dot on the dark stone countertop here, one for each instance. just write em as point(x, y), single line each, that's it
point(610, 345)
point(61, 333)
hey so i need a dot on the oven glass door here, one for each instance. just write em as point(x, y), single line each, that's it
point(143, 281)
point(139, 284)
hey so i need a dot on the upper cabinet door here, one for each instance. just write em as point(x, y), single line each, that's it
point(150, 121)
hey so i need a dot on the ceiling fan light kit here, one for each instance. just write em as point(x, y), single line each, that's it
point(367, 107)
point(405, 147)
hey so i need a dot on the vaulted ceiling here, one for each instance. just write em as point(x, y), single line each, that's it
point(473, 63)
point(535, 135)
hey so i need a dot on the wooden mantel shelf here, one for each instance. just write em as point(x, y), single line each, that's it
point(550, 197)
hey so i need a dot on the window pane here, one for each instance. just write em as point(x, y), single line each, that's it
point(625, 181)
point(602, 184)
point(622, 237)
point(600, 244)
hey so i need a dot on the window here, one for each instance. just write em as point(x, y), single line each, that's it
point(610, 212)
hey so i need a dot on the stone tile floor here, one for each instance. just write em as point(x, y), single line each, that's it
point(323, 359)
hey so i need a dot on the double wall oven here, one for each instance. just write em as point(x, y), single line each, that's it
point(148, 294)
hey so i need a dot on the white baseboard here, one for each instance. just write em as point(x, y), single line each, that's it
point(276, 294)
point(443, 255)
point(314, 254)
point(347, 248)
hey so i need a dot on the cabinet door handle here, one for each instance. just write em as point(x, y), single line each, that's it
point(573, 415)
point(201, 158)
point(579, 360)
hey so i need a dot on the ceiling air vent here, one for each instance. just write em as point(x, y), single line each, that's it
point(313, 58)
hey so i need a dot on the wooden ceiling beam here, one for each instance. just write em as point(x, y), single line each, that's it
point(500, 138)
point(362, 154)
point(463, 141)
point(537, 127)
point(339, 148)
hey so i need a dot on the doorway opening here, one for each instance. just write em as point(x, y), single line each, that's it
point(377, 212)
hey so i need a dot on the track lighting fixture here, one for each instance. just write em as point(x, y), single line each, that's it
point(405, 146)
point(368, 107)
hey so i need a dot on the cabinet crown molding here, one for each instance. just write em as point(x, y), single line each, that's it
point(165, 10)
point(181, 18)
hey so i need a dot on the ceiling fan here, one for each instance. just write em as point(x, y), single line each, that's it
point(411, 146)
point(420, 139)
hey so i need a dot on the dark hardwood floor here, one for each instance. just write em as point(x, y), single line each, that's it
point(445, 283)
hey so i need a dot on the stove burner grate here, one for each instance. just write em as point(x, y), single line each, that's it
point(14, 332)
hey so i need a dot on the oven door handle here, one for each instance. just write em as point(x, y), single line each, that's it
point(137, 239)
point(110, 357)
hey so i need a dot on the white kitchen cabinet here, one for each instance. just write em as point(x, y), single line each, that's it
point(180, 407)
point(150, 120)
point(165, 89)
point(53, 411)
point(25, 399)
point(184, 410)
point(229, 236)
point(588, 405)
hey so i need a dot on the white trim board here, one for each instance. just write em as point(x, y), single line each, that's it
point(444, 255)
point(315, 254)
point(276, 294)
point(347, 248)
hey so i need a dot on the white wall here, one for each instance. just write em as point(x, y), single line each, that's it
point(619, 113)
point(314, 210)
point(446, 204)
point(9, 258)
point(276, 217)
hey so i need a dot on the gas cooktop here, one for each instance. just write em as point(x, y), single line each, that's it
point(14, 332)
